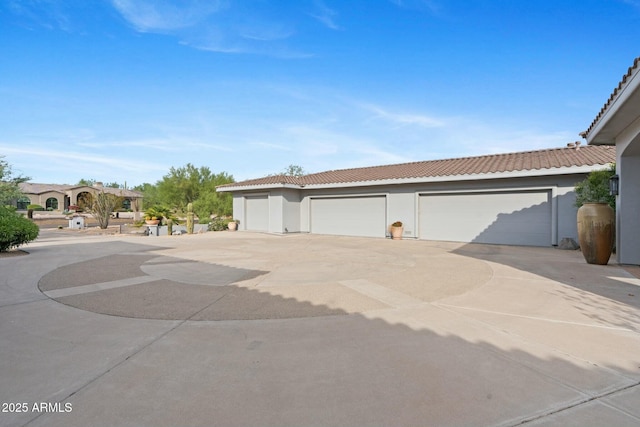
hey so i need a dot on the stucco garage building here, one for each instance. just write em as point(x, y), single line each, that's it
point(524, 198)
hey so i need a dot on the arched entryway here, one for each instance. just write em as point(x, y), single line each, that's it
point(84, 199)
point(51, 204)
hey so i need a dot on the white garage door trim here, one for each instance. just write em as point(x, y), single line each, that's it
point(361, 216)
point(256, 212)
point(535, 222)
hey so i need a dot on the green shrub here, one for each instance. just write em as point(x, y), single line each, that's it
point(219, 224)
point(15, 230)
point(595, 188)
point(35, 207)
point(160, 212)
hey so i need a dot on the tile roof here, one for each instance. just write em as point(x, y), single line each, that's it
point(271, 179)
point(36, 188)
point(630, 72)
point(495, 163)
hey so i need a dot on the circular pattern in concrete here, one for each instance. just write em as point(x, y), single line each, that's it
point(327, 279)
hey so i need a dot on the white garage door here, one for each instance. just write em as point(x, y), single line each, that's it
point(349, 216)
point(256, 210)
point(510, 218)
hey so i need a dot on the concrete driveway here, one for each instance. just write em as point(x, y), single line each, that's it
point(243, 329)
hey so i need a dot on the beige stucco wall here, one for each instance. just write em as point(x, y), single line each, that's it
point(42, 199)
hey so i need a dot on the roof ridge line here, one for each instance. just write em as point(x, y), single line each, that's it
point(480, 156)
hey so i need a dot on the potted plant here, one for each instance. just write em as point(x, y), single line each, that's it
point(233, 225)
point(596, 216)
point(152, 216)
point(396, 230)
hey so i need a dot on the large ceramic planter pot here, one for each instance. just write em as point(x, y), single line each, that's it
point(396, 233)
point(596, 232)
point(233, 226)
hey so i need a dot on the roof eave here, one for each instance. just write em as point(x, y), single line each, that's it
point(253, 187)
point(618, 113)
point(430, 179)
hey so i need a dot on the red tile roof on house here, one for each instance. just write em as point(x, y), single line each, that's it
point(37, 188)
point(496, 163)
point(630, 72)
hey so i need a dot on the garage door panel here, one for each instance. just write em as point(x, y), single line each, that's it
point(515, 218)
point(257, 213)
point(349, 216)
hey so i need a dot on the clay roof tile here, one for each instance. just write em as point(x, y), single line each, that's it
point(495, 163)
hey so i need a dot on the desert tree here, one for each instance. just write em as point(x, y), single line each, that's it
point(87, 182)
point(15, 229)
point(294, 170)
point(101, 205)
point(9, 183)
point(291, 170)
point(190, 184)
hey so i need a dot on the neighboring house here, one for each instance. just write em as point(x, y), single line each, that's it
point(57, 197)
point(618, 124)
point(524, 198)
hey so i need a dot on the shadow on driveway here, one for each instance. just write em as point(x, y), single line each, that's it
point(400, 366)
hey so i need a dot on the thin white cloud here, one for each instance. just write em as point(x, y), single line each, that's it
point(325, 15)
point(162, 15)
point(217, 26)
point(320, 147)
point(166, 145)
point(151, 144)
point(224, 26)
point(240, 47)
point(403, 118)
point(48, 14)
point(467, 136)
point(264, 32)
point(326, 130)
point(80, 158)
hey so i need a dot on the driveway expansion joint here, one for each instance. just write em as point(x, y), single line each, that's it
point(599, 397)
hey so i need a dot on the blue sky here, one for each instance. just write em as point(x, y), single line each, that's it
point(122, 90)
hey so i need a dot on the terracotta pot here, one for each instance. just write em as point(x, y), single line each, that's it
point(152, 221)
point(233, 226)
point(396, 233)
point(596, 232)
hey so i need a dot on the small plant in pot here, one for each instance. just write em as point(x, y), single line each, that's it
point(596, 216)
point(152, 216)
point(397, 229)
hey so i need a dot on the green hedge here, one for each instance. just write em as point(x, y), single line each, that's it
point(35, 207)
point(15, 230)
